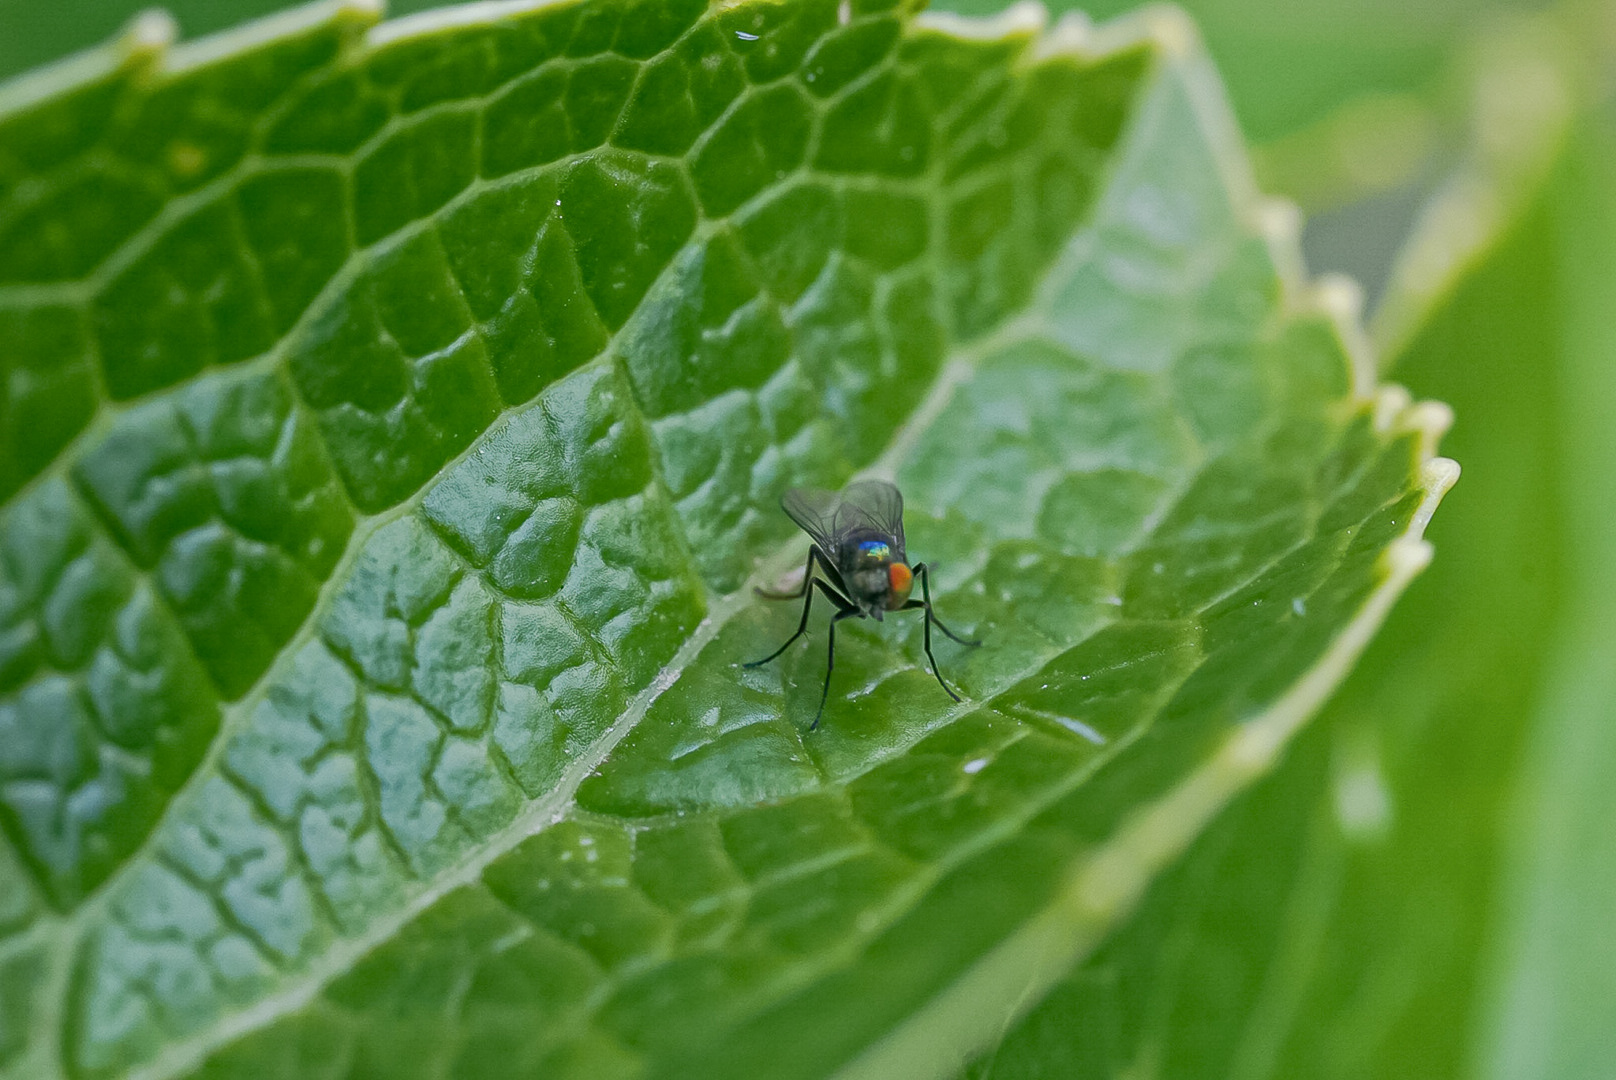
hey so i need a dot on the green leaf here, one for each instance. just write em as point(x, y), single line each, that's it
point(394, 424)
point(1552, 982)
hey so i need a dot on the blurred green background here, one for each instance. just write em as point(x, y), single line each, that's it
point(1427, 886)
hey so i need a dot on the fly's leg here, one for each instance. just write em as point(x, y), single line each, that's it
point(946, 688)
point(925, 590)
point(844, 609)
point(807, 578)
point(830, 662)
point(931, 617)
point(802, 624)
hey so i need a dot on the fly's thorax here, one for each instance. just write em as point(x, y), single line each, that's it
point(873, 568)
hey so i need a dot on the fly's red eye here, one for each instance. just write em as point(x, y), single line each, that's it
point(902, 580)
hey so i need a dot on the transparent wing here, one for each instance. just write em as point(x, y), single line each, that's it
point(829, 516)
point(814, 511)
point(871, 504)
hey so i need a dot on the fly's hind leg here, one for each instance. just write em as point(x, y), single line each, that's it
point(806, 589)
point(826, 571)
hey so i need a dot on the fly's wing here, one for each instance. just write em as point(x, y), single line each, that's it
point(814, 511)
point(872, 504)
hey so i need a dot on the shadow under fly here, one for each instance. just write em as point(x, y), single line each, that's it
point(858, 551)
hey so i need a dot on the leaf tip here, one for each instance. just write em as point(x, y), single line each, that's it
point(1341, 300)
point(1434, 418)
point(1396, 411)
point(1339, 296)
point(1392, 404)
point(1279, 220)
point(1439, 474)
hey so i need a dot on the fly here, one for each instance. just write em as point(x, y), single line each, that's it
point(857, 547)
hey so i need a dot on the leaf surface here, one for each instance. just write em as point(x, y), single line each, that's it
point(1550, 982)
point(395, 419)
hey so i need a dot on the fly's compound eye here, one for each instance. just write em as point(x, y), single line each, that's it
point(902, 580)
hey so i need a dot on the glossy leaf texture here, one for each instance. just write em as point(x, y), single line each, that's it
point(394, 421)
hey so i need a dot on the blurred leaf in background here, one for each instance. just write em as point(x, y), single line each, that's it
point(1551, 990)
